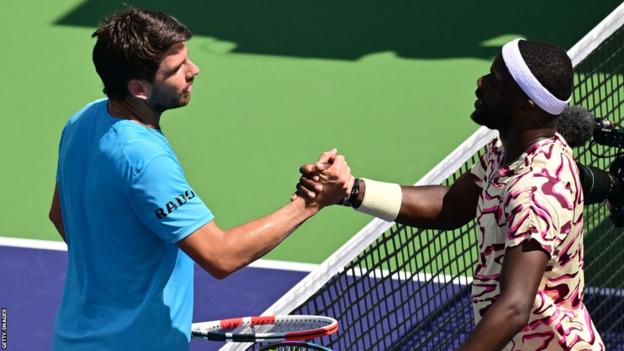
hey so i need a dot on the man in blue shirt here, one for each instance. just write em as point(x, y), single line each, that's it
point(132, 223)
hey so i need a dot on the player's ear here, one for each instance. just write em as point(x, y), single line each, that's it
point(528, 104)
point(139, 88)
point(522, 103)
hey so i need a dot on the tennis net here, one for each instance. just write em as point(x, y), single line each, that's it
point(394, 287)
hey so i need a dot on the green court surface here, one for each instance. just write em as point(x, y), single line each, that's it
point(390, 84)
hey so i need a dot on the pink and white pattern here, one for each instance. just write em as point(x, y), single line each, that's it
point(537, 197)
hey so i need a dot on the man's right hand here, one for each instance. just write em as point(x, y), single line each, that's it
point(326, 182)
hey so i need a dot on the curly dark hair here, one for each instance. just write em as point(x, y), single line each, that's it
point(131, 44)
point(551, 66)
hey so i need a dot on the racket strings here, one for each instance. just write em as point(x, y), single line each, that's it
point(294, 346)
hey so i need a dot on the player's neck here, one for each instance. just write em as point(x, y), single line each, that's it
point(515, 144)
point(135, 110)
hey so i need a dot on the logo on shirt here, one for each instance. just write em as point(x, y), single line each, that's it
point(174, 204)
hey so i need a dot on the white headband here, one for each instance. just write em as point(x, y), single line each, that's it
point(527, 81)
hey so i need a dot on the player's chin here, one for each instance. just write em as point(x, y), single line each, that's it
point(482, 118)
point(184, 99)
point(179, 102)
point(478, 117)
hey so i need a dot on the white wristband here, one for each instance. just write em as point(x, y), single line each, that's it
point(382, 200)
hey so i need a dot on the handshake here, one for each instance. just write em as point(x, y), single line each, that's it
point(327, 182)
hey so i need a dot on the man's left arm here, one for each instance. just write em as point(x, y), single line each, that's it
point(55, 215)
point(522, 272)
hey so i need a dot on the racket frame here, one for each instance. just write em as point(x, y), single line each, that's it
point(218, 330)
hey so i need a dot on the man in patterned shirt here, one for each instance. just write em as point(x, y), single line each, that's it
point(526, 196)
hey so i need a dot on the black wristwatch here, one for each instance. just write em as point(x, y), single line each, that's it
point(355, 190)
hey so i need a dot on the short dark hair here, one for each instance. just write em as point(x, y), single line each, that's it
point(551, 66)
point(131, 44)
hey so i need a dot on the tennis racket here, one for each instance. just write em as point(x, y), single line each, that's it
point(294, 346)
point(266, 328)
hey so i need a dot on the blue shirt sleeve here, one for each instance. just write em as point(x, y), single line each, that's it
point(165, 202)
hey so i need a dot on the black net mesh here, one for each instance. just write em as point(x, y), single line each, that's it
point(599, 87)
point(410, 289)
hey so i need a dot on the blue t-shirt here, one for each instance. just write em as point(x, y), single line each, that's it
point(125, 204)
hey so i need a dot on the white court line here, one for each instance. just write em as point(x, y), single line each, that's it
point(307, 267)
point(61, 246)
point(284, 265)
point(33, 243)
point(263, 263)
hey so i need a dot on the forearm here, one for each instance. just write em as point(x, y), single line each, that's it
point(247, 242)
point(423, 207)
point(222, 252)
point(501, 322)
point(429, 206)
point(522, 272)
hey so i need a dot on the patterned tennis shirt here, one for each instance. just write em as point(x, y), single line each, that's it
point(538, 197)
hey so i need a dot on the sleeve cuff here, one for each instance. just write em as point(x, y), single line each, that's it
point(190, 229)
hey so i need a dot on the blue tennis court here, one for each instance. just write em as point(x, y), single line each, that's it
point(31, 290)
point(32, 284)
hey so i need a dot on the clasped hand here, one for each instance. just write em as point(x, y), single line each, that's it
point(326, 182)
